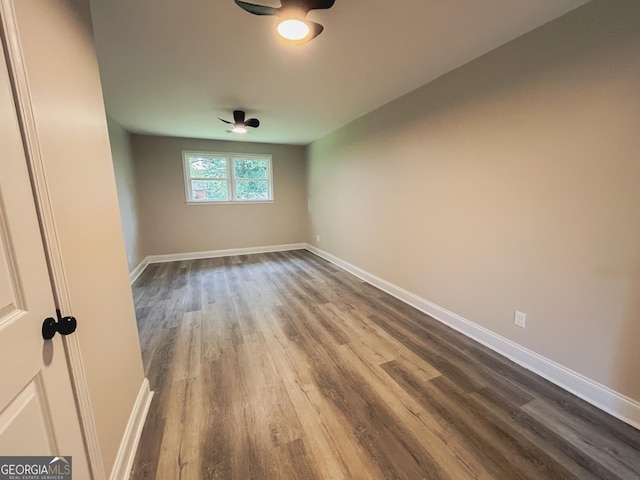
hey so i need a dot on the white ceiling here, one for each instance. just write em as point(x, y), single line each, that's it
point(171, 67)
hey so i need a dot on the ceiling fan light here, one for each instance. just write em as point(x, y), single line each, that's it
point(239, 129)
point(293, 29)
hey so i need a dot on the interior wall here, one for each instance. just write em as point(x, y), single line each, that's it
point(123, 167)
point(509, 183)
point(171, 226)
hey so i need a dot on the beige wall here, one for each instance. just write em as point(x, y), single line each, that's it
point(169, 226)
point(123, 168)
point(510, 183)
point(68, 111)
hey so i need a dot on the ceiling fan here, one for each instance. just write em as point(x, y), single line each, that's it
point(239, 123)
point(292, 23)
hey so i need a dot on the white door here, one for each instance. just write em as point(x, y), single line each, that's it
point(37, 410)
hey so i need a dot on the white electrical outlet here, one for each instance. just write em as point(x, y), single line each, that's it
point(520, 319)
point(129, 258)
point(317, 238)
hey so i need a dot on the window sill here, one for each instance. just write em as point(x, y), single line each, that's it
point(236, 202)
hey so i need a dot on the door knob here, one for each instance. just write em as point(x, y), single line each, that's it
point(64, 326)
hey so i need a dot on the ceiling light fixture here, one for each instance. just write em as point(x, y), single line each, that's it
point(293, 29)
point(293, 24)
point(239, 123)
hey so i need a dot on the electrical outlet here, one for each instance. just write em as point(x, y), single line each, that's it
point(129, 258)
point(317, 238)
point(520, 319)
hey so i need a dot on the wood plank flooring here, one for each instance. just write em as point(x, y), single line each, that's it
point(283, 366)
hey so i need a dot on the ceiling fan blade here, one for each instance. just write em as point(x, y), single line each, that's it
point(238, 116)
point(315, 30)
point(252, 122)
point(225, 121)
point(320, 4)
point(257, 9)
point(307, 5)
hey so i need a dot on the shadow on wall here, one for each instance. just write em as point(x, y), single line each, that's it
point(541, 60)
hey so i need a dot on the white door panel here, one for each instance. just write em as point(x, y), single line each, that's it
point(25, 426)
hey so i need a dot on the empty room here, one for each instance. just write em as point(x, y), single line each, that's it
point(322, 239)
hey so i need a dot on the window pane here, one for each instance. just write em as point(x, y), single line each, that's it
point(209, 190)
point(248, 168)
point(252, 190)
point(202, 167)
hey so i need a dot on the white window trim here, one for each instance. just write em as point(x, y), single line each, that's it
point(231, 181)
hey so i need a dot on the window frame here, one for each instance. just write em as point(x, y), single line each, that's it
point(230, 157)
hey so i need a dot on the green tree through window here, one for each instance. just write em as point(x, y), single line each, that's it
point(251, 179)
point(227, 177)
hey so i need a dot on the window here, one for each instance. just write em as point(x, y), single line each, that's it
point(227, 177)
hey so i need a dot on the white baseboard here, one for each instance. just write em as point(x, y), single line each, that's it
point(223, 253)
point(127, 452)
point(174, 257)
point(135, 273)
point(600, 396)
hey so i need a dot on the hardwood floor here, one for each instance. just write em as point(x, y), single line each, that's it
point(283, 366)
